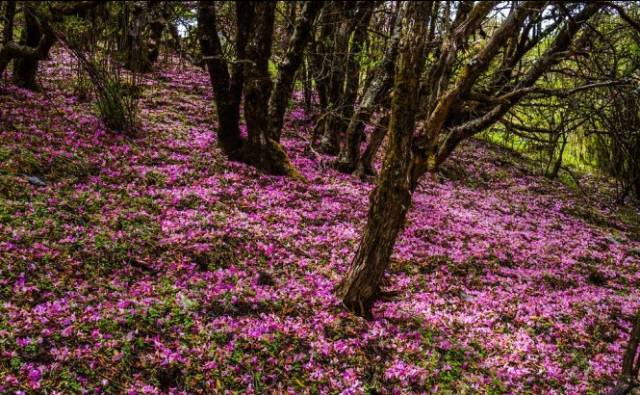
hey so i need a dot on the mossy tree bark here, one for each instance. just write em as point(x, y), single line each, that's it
point(391, 198)
point(265, 102)
point(446, 118)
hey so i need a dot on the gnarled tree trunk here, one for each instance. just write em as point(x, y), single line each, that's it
point(11, 50)
point(265, 102)
point(264, 108)
point(442, 127)
point(391, 198)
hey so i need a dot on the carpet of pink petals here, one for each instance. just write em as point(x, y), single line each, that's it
point(150, 264)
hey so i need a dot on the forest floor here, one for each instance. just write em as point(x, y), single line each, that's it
point(153, 265)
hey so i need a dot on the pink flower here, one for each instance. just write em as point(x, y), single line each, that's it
point(34, 375)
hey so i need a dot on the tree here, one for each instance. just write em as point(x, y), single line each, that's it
point(628, 379)
point(38, 36)
point(374, 95)
point(265, 100)
point(460, 95)
point(144, 25)
point(135, 46)
point(338, 23)
point(25, 69)
point(339, 118)
point(390, 200)
point(35, 45)
point(227, 84)
point(159, 21)
point(599, 118)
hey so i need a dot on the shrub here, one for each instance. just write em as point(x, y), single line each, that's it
point(117, 105)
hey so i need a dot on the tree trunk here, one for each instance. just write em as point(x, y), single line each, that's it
point(629, 375)
point(133, 57)
point(320, 64)
point(334, 124)
point(7, 34)
point(391, 198)
point(365, 163)
point(389, 203)
point(558, 163)
point(261, 150)
point(156, 28)
point(25, 69)
point(307, 88)
point(288, 67)
point(352, 76)
point(176, 41)
point(263, 109)
point(630, 364)
point(9, 16)
point(320, 78)
point(227, 88)
point(350, 150)
point(380, 87)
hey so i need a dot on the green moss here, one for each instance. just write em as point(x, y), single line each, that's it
point(76, 166)
point(191, 201)
point(155, 178)
point(5, 154)
point(590, 216)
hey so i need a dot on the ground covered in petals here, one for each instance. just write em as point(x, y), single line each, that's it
point(150, 264)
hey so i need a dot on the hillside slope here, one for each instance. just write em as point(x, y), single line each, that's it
point(152, 264)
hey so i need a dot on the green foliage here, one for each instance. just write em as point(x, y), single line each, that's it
point(117, 105)
point(155, 178)
point(77, 165)
point(78, 31)
point(82, 87)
